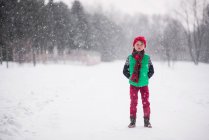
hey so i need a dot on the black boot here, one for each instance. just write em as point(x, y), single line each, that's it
point(147, 123)
point(133, 122)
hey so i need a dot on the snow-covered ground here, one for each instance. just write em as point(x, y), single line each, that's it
point(74, 102)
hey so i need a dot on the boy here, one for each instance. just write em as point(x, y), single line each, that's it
point(138, 69)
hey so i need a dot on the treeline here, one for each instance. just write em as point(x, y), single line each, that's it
point(181, 35)
point(30, 28)
point(33, 29)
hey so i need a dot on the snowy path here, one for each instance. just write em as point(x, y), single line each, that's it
point(78, 102)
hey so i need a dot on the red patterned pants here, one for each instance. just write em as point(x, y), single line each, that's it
point(134, 100)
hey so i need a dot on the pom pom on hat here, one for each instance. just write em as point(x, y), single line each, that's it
point(140, 38)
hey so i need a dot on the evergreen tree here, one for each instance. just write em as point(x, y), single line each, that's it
point(62, 27)
point(80, 26)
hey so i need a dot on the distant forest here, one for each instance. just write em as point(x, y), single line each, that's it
point(35, 30)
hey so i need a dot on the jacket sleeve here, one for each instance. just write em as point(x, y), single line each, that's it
point(151, 69)
point(126, 69)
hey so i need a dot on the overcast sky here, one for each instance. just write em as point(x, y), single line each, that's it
point(131, 6)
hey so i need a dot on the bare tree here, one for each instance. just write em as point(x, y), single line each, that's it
point(193, 21)
point(173, 40)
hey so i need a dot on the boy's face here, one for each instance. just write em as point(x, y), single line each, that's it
point(139, 46)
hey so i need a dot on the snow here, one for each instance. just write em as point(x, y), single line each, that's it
point(63, 101)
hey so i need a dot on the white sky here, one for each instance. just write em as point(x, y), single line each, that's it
point(131, 6)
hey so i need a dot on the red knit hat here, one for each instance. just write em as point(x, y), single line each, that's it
point(140, 38)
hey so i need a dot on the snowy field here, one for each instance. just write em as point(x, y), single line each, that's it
point(75, 102)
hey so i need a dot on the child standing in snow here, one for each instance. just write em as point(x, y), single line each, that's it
point(138, 69)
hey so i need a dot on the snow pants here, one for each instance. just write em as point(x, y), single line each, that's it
point(134, 100)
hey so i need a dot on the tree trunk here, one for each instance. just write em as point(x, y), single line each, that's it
point(7, 56)
point(1, 55)
point(189, 41)
point(207, 55)
point(34, 57)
